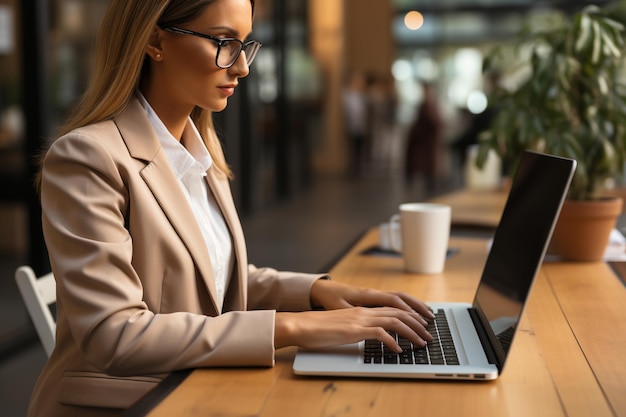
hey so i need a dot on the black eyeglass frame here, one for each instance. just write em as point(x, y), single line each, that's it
point(220, 42)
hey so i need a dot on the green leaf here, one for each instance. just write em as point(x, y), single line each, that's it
point(611, 48)
point(584, 35)
point(596, 50)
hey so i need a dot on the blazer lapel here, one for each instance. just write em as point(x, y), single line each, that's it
point(143, 144)
point(236, 296)
point(219, 185)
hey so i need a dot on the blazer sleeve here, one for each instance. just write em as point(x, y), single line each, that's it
point(102, 311)
point(280, 290)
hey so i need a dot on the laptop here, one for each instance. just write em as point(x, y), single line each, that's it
point(471, 341)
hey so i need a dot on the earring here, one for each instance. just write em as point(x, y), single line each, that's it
point(157, 56)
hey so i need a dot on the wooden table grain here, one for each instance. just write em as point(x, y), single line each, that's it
point(475, 208)
point(568, 358)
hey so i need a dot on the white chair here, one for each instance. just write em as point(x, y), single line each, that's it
point(39, 294)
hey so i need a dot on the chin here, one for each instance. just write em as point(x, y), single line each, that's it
point(222, 106)
point(213, 107)
point(217, 106)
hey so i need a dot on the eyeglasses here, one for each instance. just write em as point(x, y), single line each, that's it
point(232, 47)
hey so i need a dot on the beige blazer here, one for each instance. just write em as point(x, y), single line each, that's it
point(135, 288)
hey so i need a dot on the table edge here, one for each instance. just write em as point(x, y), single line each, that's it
point(147, 403)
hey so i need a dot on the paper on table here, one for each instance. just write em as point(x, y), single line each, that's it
point(616, 249)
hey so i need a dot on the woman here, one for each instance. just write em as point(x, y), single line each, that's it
point(142, 232)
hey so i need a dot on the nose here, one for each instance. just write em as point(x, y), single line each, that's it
point(240, 67)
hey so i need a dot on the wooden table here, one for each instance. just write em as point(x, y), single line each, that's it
point(475, 208)
point(569, 358)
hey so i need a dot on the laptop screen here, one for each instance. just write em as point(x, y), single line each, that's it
point(519, 244)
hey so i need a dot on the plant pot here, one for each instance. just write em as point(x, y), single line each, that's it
point(583, 229)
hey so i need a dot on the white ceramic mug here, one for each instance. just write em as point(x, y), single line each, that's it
point(390, 236)
point(425, 231)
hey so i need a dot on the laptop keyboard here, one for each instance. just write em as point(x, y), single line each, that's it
point(440, 351)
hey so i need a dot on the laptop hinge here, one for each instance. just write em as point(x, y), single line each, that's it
point(484, 339)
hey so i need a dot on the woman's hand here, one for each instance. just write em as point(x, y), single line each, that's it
point(332, 295)
point(354, 314)
point(318, 329)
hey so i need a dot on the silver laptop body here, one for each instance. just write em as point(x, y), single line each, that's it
point(482, 332)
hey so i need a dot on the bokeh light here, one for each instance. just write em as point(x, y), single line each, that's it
point(414, 20)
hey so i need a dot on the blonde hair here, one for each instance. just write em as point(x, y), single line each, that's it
point(120, 64)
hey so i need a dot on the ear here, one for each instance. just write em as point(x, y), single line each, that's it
point(154, 48)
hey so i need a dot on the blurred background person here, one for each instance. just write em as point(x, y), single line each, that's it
point(381, 124)
point(424, 142)
point(355, 115)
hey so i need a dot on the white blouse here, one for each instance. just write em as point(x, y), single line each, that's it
point(190, 163)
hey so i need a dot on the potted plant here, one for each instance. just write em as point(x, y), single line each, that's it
point(568, 100)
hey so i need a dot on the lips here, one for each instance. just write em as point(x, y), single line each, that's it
point(228, 89)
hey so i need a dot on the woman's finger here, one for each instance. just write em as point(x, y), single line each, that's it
point(407, 324)
point(398, 300)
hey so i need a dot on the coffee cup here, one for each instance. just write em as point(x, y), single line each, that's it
point(390, 238)
point(424, 233)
